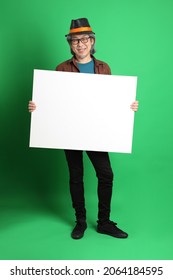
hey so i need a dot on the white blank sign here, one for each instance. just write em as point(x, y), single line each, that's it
point(82, 111)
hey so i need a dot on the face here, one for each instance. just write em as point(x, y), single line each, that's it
point(81, 45)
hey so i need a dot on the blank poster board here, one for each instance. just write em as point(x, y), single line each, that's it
point(82, 111)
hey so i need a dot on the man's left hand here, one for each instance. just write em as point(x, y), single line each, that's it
point(134, 106)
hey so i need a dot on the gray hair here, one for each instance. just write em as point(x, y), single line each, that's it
point(91, 35)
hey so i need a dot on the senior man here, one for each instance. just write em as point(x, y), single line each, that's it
point(81, 39)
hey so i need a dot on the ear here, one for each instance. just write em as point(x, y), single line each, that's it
point(92, 41)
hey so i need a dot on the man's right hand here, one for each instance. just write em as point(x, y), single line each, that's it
point(31, 106)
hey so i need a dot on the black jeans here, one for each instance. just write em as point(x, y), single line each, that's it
point(101, 163)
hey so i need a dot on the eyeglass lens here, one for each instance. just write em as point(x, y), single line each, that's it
point(82, 40)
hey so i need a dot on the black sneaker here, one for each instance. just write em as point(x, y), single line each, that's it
point(110, 228)
point(79, 229)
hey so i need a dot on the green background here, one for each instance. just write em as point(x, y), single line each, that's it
point(134, 38)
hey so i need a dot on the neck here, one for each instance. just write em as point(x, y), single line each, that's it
point(81, 59)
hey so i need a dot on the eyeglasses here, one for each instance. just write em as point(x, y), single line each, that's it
point(83, 40)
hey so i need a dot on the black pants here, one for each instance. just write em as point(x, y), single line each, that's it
point(101, 163)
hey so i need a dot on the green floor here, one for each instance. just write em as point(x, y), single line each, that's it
point(29, 231)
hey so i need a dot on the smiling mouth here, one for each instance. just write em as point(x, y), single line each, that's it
point(80, 50)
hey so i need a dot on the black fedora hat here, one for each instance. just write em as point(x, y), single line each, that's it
point(80, 26)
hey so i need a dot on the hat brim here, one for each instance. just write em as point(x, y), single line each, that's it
point(79, 33)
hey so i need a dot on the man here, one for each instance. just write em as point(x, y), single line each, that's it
point(81, 40)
